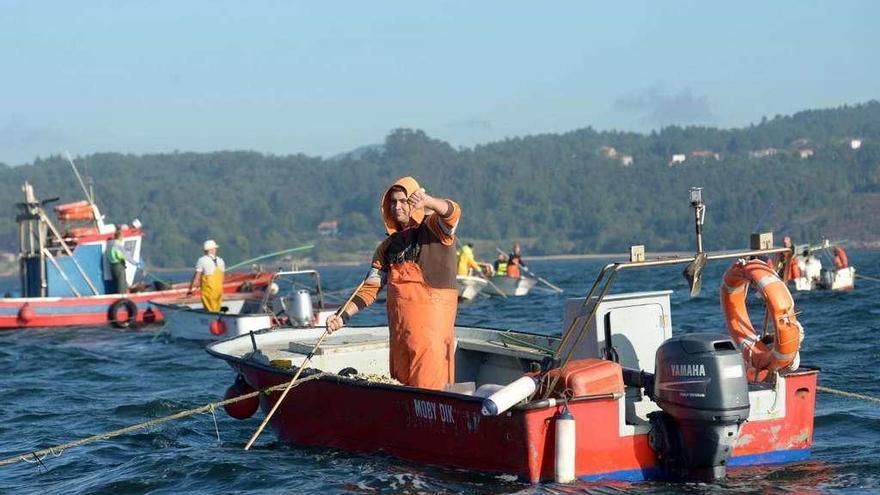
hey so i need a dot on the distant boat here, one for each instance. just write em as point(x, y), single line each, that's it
point(66, 280)
point(469, 287)
point(509, 286)
point(813, 276)
point(285, 304)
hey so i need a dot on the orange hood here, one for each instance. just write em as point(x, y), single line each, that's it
point(410, 185)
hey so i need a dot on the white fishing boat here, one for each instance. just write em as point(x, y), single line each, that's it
point(502, 285)
point(812, 275)
point(469, 287)
point(285, 304)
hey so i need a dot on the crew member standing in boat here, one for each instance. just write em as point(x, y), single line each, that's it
point(514, 261)
point(468, 265)
point(209, 273)
point(418, 263)
point(116, 260)
point(501, 265)
point(786, 264)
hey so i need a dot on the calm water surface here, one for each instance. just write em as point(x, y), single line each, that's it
point(60, 385)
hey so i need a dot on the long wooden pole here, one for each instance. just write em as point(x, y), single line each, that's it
point(270, 255)
point(287, 389)
point(299, 371)
point(79, 178)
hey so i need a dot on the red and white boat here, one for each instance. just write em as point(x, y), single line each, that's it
point(65, 279)
point(616, 397)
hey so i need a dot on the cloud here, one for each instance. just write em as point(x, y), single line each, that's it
point(656, 107)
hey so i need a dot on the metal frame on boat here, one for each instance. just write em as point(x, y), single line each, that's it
point(185, 317)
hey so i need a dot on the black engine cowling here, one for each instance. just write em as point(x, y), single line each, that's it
point(701, 387)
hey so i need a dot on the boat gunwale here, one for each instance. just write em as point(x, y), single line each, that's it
point(525, 407)
point(241, 361)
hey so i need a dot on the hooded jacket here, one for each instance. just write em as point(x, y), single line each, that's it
point(418, 263)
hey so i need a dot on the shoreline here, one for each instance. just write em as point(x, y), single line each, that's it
point(622, 256)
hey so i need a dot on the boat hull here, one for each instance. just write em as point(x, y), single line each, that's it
point(469, 287)
point(184, 322)
point(447, 429)
point(509, 286)
point(54, 312)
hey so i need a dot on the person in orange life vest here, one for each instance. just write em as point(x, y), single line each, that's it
point(786, 265)
point(417, 262)
point(514, 261)
point(840, 259)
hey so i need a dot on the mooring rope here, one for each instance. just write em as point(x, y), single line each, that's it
point(37, 456)
point(844, 393)
point(859, 275)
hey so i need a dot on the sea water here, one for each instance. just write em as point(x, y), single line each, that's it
point(58, 385)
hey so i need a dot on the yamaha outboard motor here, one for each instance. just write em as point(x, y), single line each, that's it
point(701, 387)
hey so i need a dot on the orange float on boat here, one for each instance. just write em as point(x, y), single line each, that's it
point(840, 259)
point(80, 210)
point(761, 356)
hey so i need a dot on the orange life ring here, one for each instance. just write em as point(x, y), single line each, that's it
point(760, 357)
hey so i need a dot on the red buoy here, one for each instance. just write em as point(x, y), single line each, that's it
point(26, 313)
point(217, 327)
point(242, 409)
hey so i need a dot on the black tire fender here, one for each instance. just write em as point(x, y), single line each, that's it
point(113, 312)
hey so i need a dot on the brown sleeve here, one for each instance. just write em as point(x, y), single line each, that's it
point(444, 226)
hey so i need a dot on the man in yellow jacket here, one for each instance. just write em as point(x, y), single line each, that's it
point(209, 273)
point(417, 263)
point(467, 265)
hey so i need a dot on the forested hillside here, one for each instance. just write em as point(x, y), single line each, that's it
point(582, 191)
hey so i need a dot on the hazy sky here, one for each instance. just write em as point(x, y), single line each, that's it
point(324, 77)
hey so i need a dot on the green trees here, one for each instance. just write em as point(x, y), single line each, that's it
point(554, 192)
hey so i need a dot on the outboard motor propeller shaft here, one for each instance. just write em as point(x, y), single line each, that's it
point(701, 387)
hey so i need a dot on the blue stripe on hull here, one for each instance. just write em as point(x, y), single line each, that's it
point(775, 457)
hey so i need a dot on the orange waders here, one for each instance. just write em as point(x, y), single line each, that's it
point(422, 325)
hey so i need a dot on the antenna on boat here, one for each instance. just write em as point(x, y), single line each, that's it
point(79, 178)
point(693, 273)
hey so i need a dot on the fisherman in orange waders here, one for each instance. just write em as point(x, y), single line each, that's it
point(418, 263)
point(209, 273)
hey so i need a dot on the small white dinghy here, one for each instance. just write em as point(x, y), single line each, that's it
point(469, 287)
point(285, 304)
point(508, 286)
point(814, 276)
